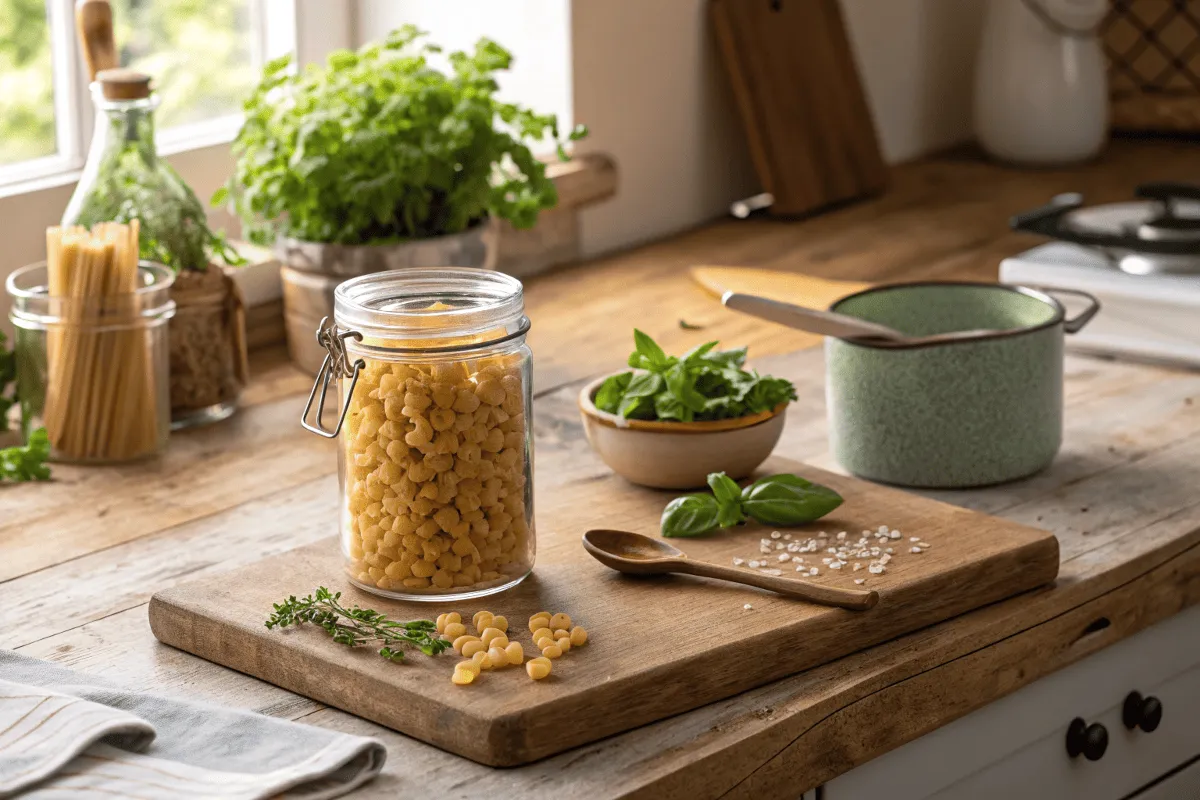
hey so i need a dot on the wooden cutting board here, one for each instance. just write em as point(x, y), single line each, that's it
point(802, 105)
point(658, 646)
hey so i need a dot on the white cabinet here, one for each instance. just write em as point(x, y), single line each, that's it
point(1016, 747)
point(1185, 783)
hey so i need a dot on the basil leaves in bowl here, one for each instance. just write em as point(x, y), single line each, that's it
point(671, 420)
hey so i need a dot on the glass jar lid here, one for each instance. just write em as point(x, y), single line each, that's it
point(431, 304)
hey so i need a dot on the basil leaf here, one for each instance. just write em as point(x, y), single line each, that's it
point(697, 353)
point(690, 515)
point(730, 514)
point(766, 393)
point(608, 396)
point(639, 395)
point(728, 358)
point(724, 488)
point(637, 408)
point(681, 384)
point(729, 499)
point(668, 406)
point(647, 354)
point(786, 500)
point(783, 478)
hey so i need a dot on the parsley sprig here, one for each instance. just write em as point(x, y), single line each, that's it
point(28, 462)
point(703, 384)
point(356, 626)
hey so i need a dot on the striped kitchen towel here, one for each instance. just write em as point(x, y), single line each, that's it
point(64, 735)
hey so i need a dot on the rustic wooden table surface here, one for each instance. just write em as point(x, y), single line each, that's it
point(83, 554)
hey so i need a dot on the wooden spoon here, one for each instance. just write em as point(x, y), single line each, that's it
point(94, 20)
point(635, 554)
point(831, 323)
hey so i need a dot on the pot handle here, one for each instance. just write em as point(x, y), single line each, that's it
point(1074, 324)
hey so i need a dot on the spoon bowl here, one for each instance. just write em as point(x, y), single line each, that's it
point(634, 554)
point(630, 553)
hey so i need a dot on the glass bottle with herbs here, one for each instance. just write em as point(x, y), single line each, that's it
point(125, 179)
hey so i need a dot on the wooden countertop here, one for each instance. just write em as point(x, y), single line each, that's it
point(82, 555)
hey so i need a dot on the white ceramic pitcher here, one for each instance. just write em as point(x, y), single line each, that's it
point(1041, 88)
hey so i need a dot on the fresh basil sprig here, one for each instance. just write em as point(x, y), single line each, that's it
point(702, 384)
point(783, 500)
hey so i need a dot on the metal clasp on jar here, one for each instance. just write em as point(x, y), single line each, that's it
point(336, 364)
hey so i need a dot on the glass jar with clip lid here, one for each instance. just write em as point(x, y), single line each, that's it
point(434, 431)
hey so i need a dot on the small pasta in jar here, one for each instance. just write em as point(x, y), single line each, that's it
point(435, 442)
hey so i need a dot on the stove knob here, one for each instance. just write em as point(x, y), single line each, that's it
point(1090, 741)
point(1141, 712)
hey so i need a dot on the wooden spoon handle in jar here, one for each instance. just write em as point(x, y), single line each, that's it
point(94, 21)
point(853, 599)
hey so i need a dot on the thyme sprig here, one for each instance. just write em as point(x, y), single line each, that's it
point(356, 626)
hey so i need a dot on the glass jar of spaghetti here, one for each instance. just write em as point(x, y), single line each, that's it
point(434, 431)
point(91, 365)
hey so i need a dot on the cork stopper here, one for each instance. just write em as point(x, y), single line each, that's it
point(124, 84)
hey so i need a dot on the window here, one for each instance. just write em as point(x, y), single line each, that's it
point(204, 56)
point(26, 86)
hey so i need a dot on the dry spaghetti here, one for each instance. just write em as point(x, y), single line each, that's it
point(102, 399)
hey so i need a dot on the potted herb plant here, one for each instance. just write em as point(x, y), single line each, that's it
point(378, 160)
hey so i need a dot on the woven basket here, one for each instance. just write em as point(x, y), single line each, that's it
point(1153, 50)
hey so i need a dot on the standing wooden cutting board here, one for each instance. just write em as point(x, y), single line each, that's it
point(658, 646)
point(802, 105)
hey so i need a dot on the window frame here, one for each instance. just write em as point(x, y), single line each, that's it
point(307, 28)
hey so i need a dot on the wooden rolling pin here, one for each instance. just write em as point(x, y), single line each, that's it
point(94, 23)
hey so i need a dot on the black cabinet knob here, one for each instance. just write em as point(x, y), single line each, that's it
point(1090, 741)
point(1141, 712)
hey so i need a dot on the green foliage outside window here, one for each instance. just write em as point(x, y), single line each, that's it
point(26, 87)
point(201, 53)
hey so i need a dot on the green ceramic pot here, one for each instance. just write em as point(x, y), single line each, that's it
point(953, 414)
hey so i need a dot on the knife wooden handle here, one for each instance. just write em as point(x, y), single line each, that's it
point(94, 24)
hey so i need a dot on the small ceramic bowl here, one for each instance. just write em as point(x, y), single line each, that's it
point(679, 455)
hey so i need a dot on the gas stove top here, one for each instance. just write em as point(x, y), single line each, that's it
point(1141, 260)
point(1157, 234)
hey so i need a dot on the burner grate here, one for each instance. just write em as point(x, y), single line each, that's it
point(1153, 50)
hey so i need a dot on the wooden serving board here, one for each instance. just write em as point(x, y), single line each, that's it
point(658, 646)
point(801, 101)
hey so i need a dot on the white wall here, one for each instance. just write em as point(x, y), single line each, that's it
point(537, 32)
point(916, 59)
point(649, 82)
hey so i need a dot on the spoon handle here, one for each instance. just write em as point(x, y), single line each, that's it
point(827, 323)
point(853, 599)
